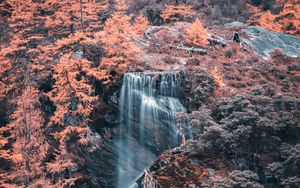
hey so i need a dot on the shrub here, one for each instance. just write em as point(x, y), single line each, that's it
point(228, 52)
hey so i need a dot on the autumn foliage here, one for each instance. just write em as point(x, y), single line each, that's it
point(197, 34)
point(51, 65)
point(30, 146)
point(72, 93)
point(140, 25)
point(176, 13)
point(288, 20)
point(119, 47)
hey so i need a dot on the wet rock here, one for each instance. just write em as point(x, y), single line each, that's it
point(110, 118)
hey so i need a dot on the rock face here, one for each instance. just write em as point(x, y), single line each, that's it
point(247, 140)
point(265, 41)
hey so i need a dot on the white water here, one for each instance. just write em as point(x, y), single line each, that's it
point(148, 107)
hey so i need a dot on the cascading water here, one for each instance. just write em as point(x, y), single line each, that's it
point(148, 107)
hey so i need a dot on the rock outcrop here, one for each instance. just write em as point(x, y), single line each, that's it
point(248, 140)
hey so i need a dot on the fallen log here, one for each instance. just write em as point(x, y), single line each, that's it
point(191, 49)
point(214, 41)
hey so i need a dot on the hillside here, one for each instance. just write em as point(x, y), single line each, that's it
point(168, 94)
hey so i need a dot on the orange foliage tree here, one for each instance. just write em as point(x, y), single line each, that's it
point(72, 93)
point(120, 50)
point(62, 23)
point(30, 147)
point(197, 34)
point(176, 13)
point(67, 161)
point(28, 59)
point(24, 51)
point(288, 20)
point(74, 99)
point(22, 65)
point(140, 25)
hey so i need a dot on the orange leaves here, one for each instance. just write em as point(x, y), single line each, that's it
point(4, 67)
point(91, 11)
point(17, 159)
point(119, 47)
point(288, 20)
point(65, 17)
point(65, 135)
point(140, 25)
point(30, 146)
point(40, 34)
point(61, 164)
point(65, 160)
point(197, 35)
point(218, 76)
point(174, 12)
point(121, 6)
point(266, 20)
point(70, 40)
point(72, 92)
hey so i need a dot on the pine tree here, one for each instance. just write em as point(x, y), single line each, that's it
point(74, 99)
point(72, 93)
point(120, 49)
point(176, 13)
point(30, 146)
point(42, 32)
point(140, 25)
point(197, 35)
point(288, 20)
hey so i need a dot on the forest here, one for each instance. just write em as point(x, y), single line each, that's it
point(150, 93)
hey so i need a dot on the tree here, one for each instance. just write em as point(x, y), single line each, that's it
point(43, 40)
point(120, 50)
point(266, 20)
point(22, 65)
point(74, 99)
point(176, 13)
point(81, 16)
point(67, 17)
point(197, 34)
point(29, 147)
point(72, 93)
point(140, 25)
point(67, 161)
point(286, 21)
point(24, 52)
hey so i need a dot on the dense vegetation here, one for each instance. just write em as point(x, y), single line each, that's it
point(61, 64)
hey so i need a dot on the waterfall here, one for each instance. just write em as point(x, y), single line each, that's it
point(148, 107)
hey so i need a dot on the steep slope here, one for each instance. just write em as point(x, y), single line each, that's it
point(61, 70)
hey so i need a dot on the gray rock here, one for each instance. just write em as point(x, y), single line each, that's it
point(264, 41)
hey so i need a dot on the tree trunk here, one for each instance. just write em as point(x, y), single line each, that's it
point(81, 16)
